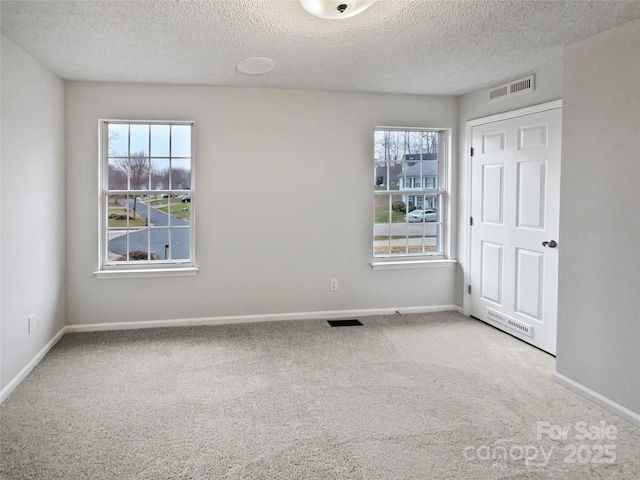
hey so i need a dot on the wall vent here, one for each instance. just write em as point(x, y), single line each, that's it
point(516, 87)
point(498, 92)
point(516, 325)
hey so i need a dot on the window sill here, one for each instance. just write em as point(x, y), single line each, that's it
point(403, 264)
point(147, 273)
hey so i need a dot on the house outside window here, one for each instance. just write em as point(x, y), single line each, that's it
point(409, 167)
point(146, 196)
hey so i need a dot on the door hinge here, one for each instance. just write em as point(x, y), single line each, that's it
point(472, 151)
point(469, 289)
point(471, 221)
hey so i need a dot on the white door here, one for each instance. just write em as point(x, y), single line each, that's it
point(515, 195)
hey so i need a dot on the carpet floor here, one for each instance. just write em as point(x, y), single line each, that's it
point(430, 396)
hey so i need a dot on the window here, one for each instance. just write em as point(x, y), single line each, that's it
point(147, 199)
point(409, 166)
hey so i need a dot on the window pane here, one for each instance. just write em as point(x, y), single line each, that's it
point(381, 239)
point(159, 244)
point(413, 144)
point(139, 140)
point(136, 210)
point(160, 174)
point(139, 172)
point(117, 175)
point(399, 237)
point(116, 245)
point(138, 245)
point(431, 204)
point(181, 140)
point(423, 238)
point(134, 242)
point(381, 209)
point(181, 173)
point(180, 243)
point(398, 208)
point(431, 146)
point(118, 214)
point(118, 140)
point(430, 170)
point(381, 176)
point(181, 210)
point(160, 140)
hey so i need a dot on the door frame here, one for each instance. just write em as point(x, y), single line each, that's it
point(466, 205)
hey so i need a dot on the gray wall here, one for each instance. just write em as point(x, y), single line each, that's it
point(33, 208)
point(284, 191)
point(599, 279)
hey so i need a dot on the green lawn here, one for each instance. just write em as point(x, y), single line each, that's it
point(118, 217)
point(383, 217)
point(182, 210)
point(178, 209)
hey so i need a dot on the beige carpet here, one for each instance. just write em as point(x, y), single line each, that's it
point(436, 396)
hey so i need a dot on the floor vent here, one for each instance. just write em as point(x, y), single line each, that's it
point(345, 323)
point(516, 87)
point(516, 325)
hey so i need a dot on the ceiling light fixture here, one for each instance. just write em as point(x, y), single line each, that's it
point(336, 9)
point(256, 65)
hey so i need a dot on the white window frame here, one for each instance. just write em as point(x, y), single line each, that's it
point(139, 268)
point(436, 259)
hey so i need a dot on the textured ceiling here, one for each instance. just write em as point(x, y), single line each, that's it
point(417, 46)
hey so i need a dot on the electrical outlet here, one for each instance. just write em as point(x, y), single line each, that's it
point(333, 285)
point(32, 322)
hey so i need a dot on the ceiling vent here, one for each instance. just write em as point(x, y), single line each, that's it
point(516, 87)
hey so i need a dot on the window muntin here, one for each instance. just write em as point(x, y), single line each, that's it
point(147, 170)
point(408, 170)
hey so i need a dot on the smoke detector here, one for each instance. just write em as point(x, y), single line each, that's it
point(336, 9)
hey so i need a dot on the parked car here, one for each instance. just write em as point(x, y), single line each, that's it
point(426, 215)
point(186, 198)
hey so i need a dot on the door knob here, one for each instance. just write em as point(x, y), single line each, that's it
point(550, 244)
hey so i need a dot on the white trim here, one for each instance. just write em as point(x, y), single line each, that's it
point(271, 317)
point(146, 273)
point(401, 264)
point(15, 381)
point(595, 397)
point(521, 112)
point(465, 207)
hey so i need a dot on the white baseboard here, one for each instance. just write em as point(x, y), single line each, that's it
point(15, 381)
point(598, 399)
point(271, 317)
